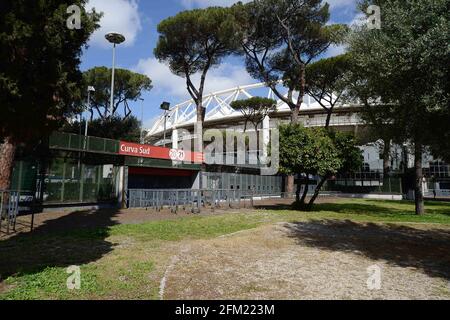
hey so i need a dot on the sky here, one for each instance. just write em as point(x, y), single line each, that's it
point(138, 21)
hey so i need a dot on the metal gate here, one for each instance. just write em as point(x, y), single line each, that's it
point(9, 209)
point(188, 199)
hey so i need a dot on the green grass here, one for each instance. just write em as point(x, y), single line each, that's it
point(35, 266)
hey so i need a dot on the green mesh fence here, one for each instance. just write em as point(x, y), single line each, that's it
point(69, 181)
point(387, 185)
point(68, 141)
point(24, 176)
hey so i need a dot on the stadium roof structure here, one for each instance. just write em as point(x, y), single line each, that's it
point(218, 107)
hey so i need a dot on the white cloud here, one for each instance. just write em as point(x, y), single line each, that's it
point(359, 20)
point(223, 77)
point(119, 16)
point(335, 51)
point(340, 3)
point(209, 3)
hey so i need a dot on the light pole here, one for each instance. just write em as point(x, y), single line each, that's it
point(88, 106)
point(166, 107)
point(114, 38)
point(142, 120)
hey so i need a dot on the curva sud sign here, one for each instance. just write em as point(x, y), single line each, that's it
point(147, 151)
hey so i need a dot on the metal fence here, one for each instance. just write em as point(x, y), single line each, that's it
point(189, 200)
point(251, 183)
point(9, 209)
point(391, 185)
point(68, 141)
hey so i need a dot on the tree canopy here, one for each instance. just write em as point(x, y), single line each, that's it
point(128, 86)
point(115, 128)
point(404, 66)
point(316, 152)
point(280, 38)
point(254, 109)
point(326, 82)
point(193, 42)
point(39, 74)
point(40, 78)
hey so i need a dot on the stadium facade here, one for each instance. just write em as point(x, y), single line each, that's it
point(75, 170)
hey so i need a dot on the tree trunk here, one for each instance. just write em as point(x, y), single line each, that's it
point(305, 192)
point(420, 207)
point(327, 124)
point(289, 186)
point(297, 193)
point(257, 143)
point(316, 192)
point(294, 119)
point(294, 114)
point(386, 157)
point(199, 136)
point(7, 154)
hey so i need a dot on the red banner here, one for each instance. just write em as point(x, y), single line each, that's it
point(147, 151)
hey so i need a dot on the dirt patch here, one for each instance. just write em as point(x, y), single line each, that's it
point(280, 262)
point(4, 287)
point(94, 219)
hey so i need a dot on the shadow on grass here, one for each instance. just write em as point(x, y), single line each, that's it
point(427, 250)
point(339, 207)
point(74, 239)
point(384, 209)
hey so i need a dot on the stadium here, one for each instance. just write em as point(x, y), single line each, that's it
point(97, 170)
point(346, 117)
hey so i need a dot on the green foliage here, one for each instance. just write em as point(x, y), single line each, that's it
point(405, 65)
point(439, 135)
point(348, 151)
point(254, 109)
point(281, 37)
point(39, 65)
point(128, 86)
point(308, 151)
point(327, 76)
point(316, 151)
point(115, 128)
point(195, 41)
point(326, 81)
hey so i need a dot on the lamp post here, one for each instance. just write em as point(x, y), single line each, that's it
point(114, 38)
point(142, 121)
point(166, 107)
point(88, 106)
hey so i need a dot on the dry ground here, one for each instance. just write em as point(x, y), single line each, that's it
point(269, 252)
point(281, 262)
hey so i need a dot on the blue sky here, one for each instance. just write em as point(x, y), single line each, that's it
point(138, 20)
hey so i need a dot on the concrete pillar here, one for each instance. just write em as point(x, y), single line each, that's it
point(266, 135)
point(122, 186)
point(175, 138)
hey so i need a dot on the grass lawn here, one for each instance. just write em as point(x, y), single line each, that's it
point(128, 261)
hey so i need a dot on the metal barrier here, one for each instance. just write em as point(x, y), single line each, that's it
point(191, 200)
point(9, 209)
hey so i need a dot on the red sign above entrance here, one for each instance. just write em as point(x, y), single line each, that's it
point(147, 151)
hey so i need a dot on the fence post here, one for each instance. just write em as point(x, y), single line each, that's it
point(252, 201)
point(239, 198)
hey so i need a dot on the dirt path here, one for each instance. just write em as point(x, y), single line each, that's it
point(312, 261)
